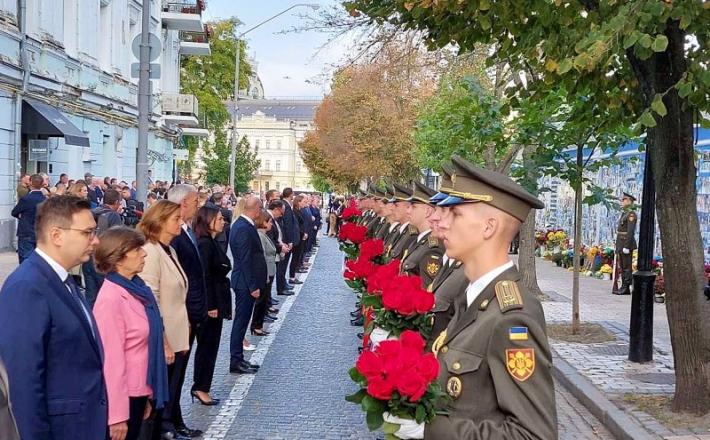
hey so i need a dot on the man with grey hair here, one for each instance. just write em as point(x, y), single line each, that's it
point(188, 253)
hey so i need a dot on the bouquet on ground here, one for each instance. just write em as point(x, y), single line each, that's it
point(397, 377)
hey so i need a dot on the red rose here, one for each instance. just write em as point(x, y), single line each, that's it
point(412, 385)
point(428, 367)
point(361, 268)
point(388, 349)
point(372, 248)
point(345, 231)
point(406, 304)
point(349, 275)
point(391, 299)
point(413, 340)
point(382, 277)
point(369, 365)
point(351, 211)
point(380, 388)
point(423, 301)
point(358, 234)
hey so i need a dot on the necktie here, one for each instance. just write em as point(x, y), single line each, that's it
point(76, 296)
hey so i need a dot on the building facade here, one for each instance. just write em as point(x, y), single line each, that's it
point(274, 128)
point(68, 96)
point(599, 223)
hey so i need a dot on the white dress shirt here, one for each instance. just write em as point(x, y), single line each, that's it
point(421, 235)
point(476, 287)
point(393, 226)
point(403, 227)
point(251, 222)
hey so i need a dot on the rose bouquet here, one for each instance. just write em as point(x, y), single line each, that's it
point(350, 236)
point(357, 272)
point(351, 213)
point(397, 377)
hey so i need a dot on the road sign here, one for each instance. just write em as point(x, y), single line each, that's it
point(154, 71)
point(153, 44)
point(181, 154)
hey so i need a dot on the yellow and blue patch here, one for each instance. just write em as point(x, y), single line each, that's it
point(518, 334)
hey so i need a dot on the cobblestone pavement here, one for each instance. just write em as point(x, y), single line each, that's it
point(299, 391)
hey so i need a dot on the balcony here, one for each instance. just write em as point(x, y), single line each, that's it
point(183, 15)
point(181, 110)
point(195, 43)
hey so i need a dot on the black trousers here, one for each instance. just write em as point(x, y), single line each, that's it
point(296, 259)
point(262, 305)
point(281, 269)
point(627, 278)
point(208, 340)
point(172, 414)
point(136, 408)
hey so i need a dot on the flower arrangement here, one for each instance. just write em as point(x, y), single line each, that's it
point(350, 236)
point(398, 377)
point(351, 213)
point(606, 269)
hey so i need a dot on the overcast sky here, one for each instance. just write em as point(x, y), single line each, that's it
point(287, 63)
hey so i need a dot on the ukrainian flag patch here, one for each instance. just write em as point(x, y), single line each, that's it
point(518, 334)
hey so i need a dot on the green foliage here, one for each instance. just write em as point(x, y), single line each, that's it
point(211, 80)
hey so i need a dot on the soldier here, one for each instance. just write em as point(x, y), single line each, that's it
point(424, 256)
point(494, 357)
point(392, 215)
point(378, 228)
point(407, 232)
point(626, 243)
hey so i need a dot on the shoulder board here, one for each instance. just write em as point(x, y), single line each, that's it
point(433, 241)
point(412, 230)
point(508, 295)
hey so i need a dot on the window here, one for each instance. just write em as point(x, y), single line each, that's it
point(267, 144)
point(267, 165)
point(278, 185)
point(256, 144)
point(278, 144)
point(266, 185)
point(278, 165)
point(299, 164)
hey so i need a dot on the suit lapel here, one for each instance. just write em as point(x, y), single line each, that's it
point(64, 296)
point(180, 275)
point(443, 275)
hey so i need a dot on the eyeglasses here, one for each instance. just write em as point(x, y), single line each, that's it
point(88, 233)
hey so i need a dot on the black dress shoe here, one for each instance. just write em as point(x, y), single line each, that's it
point(357, 322)
point(360, 335)
point(273, 310)
point(286, 293)
point(239, 369)
point(274, 301)
point(297, 282)
point(302, 271)
point(250, 365)
point(356, 313)
point(187, 432)
point(267, 319)
point(172, 435)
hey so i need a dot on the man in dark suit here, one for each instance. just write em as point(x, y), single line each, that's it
point(188, 253)
point(291, 236)
point(25, 211)
point(249, 276)
point(48, 339)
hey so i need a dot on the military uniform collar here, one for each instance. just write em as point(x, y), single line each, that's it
point(403, 227)
point(393, 226)
point(423, 235)
point(475, 288)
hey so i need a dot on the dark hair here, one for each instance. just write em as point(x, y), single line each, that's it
point(203, 221)
point(217, 197)
point(152, 195)
point(111, 196)
point(114, 244)
point(58, 211)
point(36, 181)
point(286, 193)
point(276, 204)
point(272, 194)
point(297, 201)
point(107, 180)
point(155, 218)
point(262, 220)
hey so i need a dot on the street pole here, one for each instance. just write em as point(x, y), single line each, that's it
point(641, 325)
point(233, 143)
point(143, 106)
point(577, 240)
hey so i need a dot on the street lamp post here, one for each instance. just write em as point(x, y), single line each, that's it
point(233, 142)
point(641, 324)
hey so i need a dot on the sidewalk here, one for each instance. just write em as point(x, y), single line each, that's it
point(605, 365)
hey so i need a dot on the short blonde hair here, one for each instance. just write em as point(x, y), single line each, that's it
point(154, 219)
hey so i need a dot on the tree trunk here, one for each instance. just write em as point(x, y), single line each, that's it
point(526, 250)
point(673, 159)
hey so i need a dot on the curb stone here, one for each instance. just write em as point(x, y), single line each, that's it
point(620, 424)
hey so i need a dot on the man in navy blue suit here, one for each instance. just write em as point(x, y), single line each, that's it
point(25, 211)
point(291, 236)
point(48, 338)
point(249, 277)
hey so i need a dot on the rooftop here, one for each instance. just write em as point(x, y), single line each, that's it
point(281, 109)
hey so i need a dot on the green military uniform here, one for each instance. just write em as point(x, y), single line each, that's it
point(407, 233)
point(448, 285)
point(494, 358)
point(626, 239)
point(424, 256)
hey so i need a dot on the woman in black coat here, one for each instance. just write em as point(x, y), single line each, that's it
point(208, 224)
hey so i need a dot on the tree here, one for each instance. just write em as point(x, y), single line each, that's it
point(211, 80)
point(637, 58)
point(217, 166)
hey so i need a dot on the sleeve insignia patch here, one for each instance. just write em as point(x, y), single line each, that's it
point(453, 387)
point(508, 295)
point(520, 363)
point(518, 333)
point(432, 268)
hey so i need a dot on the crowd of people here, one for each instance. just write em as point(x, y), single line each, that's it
point(102, 314)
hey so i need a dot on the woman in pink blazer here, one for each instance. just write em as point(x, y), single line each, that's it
point(131, 329)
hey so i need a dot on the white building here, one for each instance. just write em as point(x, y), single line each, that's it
point(274, 128)
point(68, 102)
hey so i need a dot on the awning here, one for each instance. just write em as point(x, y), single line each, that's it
point(43, 119)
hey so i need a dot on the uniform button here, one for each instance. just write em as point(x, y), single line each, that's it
point(444, 349)
point(456, 366)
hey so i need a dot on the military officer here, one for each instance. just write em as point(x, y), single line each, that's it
point(393, 219)
point(424, 256)
point(407, 231)
point(494, 356)
point(626, 243)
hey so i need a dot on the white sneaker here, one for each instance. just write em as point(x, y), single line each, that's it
point(249, 347)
